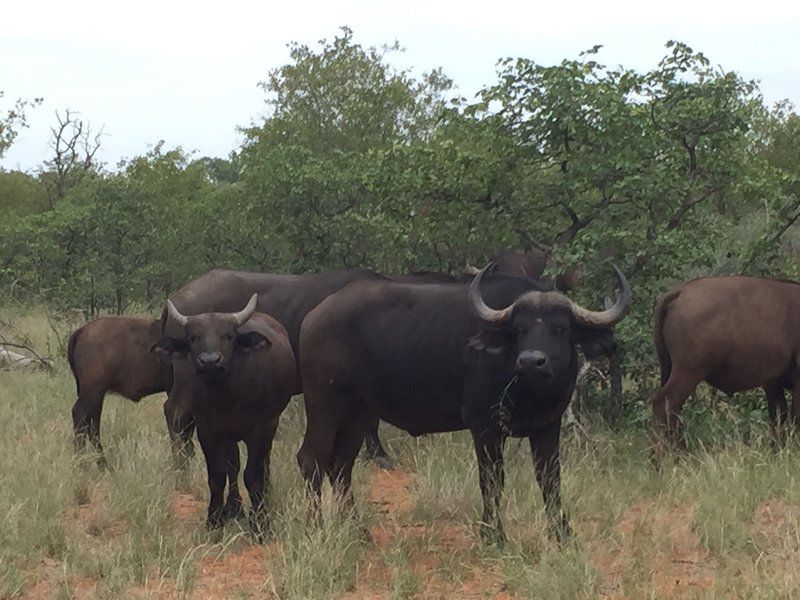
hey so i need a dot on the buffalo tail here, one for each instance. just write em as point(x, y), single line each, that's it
point(659, 317)
point(71, 344)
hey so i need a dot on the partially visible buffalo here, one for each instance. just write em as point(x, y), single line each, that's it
point(736, 333)
point(434, 358)
point(241, 372)
point(530, 263)
point(112, 354)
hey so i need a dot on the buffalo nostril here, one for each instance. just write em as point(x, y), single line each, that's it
point(209, 358)
point(539, 359)
point(533, 360)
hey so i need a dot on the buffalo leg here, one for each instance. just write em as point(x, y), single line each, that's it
point(667, 405)
point(180, 425)
point(233, 503)
point(374, 449)
point(86, 414)
point(546, 461)
point(778, 410)
point(345, 450)
point(217, 469)
point(256, 478)
point(314, 456)
point(491, 476)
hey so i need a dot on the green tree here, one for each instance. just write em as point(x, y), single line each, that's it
point(334, 114)
point(13, 120)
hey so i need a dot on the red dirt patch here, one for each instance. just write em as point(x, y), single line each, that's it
point(390, 497)
point(50, 583)
point(433, 549)
point(773, 518)
point(91, 517)
point(242, 572)
point(185, 506)
point(663, 542)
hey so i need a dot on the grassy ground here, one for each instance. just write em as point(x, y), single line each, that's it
point(723, 523)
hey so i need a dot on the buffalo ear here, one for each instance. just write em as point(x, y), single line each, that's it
point(595, 343)
point(491, 340)
point(251, 341)
point(170, 346)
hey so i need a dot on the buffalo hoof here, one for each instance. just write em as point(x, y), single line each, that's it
point(260, 530)
point(492, 536)
point(215, 519)
point(562, 532)
point(233, 510)
point(383, 461)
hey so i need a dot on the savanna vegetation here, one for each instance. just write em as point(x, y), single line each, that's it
point(721, 523)
point(671, 173)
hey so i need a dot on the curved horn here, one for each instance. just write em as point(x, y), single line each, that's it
point(489, 315)
point(610, 316)
point(175, 315)
point(243, 315)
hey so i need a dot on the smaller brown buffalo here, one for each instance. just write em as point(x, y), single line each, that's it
point(241, 370)
point(112, 354)
point(736, 333)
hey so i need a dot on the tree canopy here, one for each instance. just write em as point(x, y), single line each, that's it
point(674, 172)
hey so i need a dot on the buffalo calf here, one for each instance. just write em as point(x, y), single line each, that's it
point(112, 354)
point(241, 371)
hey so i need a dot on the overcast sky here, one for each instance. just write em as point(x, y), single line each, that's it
point(187, 72)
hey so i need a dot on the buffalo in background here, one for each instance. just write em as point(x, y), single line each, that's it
point(736, 333)
point(112, 354)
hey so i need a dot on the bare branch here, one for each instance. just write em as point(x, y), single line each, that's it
point(74, 148)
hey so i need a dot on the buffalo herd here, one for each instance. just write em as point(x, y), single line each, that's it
point(491, 351)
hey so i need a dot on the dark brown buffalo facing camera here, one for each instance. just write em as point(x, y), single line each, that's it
point(240, 371)
point(497, 357)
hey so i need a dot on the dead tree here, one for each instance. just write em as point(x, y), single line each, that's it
point(74, 145)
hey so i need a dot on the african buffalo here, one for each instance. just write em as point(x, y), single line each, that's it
point(736, 333)
point(241, 371)
point(434, 358)
point(112, 354)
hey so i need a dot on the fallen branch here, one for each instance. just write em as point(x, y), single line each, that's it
point(14, 360)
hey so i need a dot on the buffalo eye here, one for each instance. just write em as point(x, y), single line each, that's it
point(560, 330)
point(227, 337)
point(192, 338)
point(519, 329)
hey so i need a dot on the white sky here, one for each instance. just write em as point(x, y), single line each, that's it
point(187, 72)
